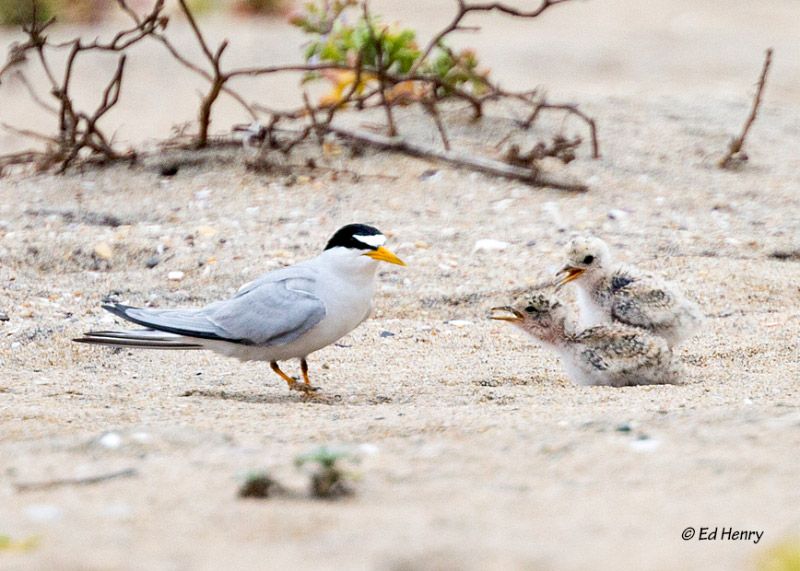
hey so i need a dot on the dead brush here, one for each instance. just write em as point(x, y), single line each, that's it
point(368, 63)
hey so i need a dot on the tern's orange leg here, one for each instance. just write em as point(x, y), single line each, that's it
point(289, 380)
point(304, 370)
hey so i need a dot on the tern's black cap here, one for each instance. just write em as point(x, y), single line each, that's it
point(346, 237)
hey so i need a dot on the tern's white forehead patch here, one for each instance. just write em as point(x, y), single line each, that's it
point(375, 240)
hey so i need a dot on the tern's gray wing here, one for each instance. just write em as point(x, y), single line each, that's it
point(275, 309)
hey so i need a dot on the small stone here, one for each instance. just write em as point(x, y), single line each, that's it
point(459, 323)
point(168, 169)
point(175, 276)
point(421, 245)
point(43, 512)
point(103, 251)
point(4, 316)
point(386, 334)
point(428, 174)
point(644, 444)
point(110, 440)
point(206, 231)
point(624, 427)
point(489, 245)
point(502, 205)
point(152, 261)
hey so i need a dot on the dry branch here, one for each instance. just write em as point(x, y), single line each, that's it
point(377, 83)
point(735, 155)
point(46, 485)
point(480, 164)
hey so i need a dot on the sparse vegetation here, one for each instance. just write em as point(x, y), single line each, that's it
point(258, 485)
point(9, 544)
point(784, 556)
point(369, 63)
point(328, 479)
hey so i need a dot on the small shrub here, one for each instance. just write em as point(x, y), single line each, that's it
point(258, 485)
point(381, 48)
point(328, 480)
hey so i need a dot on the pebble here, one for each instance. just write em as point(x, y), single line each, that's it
point(152, 261)
point(386, 334)
point(206, 231)
point(43, 512)
point(489, 245)
point(4, 316)
point(644, 444)
point(110, 440)
point(430, 175)
point(502, 205)
point(459, 322)
point(168, 169)
point(103, 251)
point(175, 276)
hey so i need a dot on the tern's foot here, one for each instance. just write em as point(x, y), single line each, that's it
point(303, 388)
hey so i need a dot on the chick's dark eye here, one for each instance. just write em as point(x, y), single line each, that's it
point(530, 309)
point(588, 259)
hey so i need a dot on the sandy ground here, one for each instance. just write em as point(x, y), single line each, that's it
point(477, 452)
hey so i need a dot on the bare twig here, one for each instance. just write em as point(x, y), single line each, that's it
point(572, 109)
point(60, 482)
point(735, 155)
point(465, 8)
point(479, 164)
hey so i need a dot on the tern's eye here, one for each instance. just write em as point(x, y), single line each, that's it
point(588, 259)
point(530, 309)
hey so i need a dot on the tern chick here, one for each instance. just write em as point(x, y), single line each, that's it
point(614, 355)
point(285, 314)
point(608, 291)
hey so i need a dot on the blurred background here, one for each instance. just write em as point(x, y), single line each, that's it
point(93, 11)
point(582, 51)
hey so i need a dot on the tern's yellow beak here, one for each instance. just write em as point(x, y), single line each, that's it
point(570, 273)
point(384, 255)
point(510, 314)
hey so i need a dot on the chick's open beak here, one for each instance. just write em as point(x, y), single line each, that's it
point(384, 255)
point(570, 273)
point(509, 314)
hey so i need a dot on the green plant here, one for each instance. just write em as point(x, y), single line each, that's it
point(784, 556)
point(377, 50)
point(257, 485)
point(328, 480)
point(27, 544)
point(17, 12)
point(260, 6)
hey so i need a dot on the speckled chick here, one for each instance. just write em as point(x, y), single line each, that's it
point(613, 355)
point(608, 291)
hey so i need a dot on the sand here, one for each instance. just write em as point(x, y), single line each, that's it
point(476, 450)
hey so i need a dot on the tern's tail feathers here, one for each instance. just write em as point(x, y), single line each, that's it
point(138, 338)
point(184, 322)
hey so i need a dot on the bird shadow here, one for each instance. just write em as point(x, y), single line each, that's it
point(267, 398)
